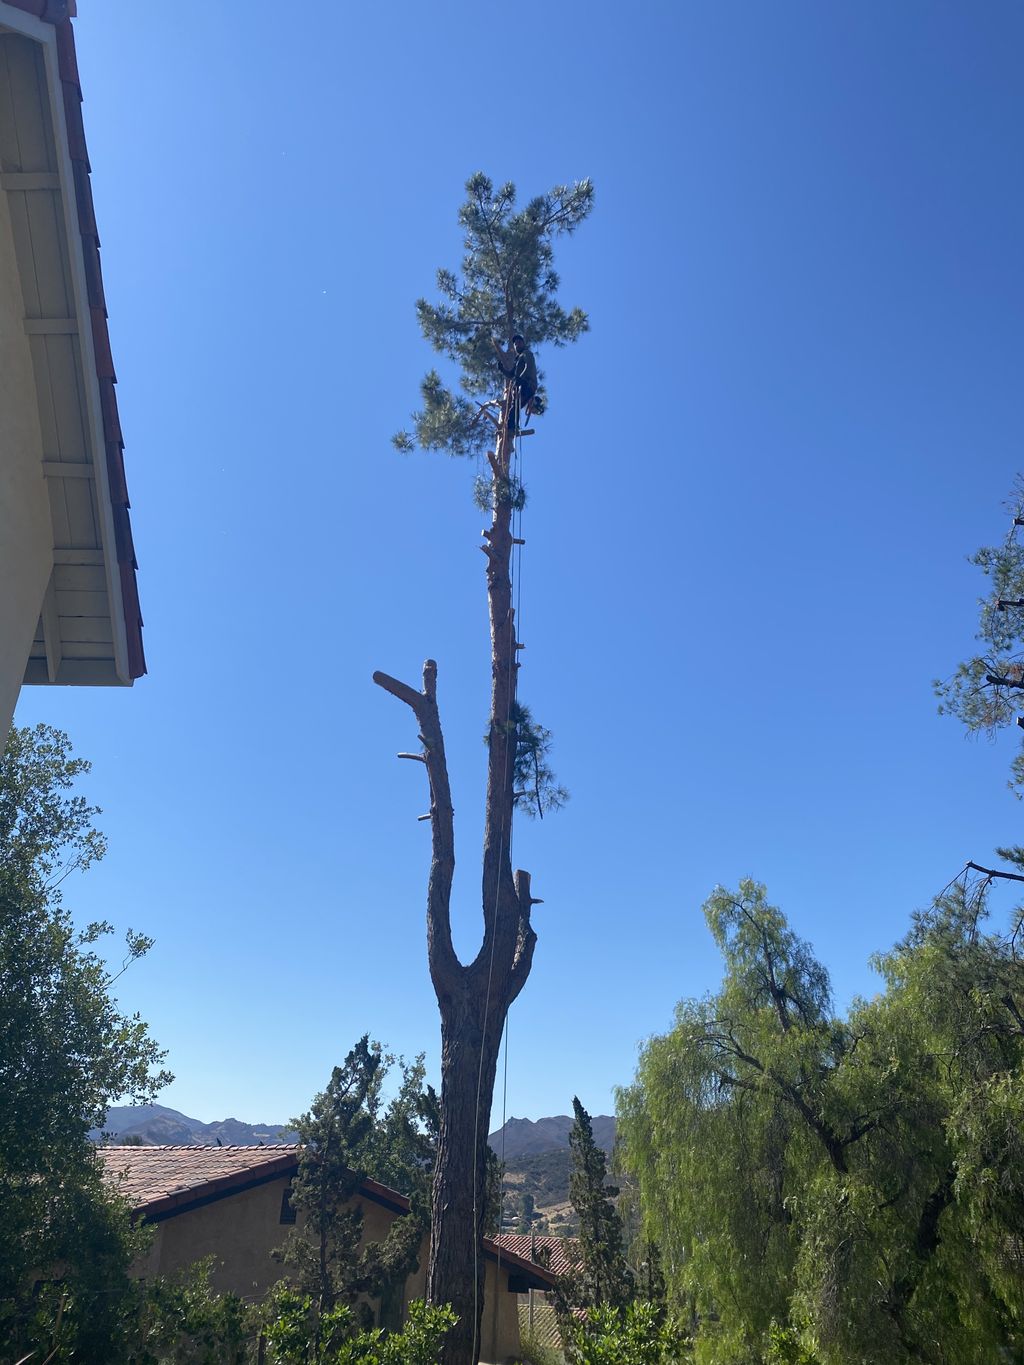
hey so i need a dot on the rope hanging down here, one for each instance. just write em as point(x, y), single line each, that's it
point(513, 478)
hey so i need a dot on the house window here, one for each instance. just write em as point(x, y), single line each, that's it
point(287, 1210)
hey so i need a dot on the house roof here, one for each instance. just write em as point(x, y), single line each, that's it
point(161, 1182)
point(562, 1252)
point(90, 630)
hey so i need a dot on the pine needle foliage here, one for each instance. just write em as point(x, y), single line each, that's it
point(987, 690)
point(536, 788)
point(507, 284)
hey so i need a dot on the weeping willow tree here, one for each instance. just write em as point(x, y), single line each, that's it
point(827, 1189)
point(507, 286)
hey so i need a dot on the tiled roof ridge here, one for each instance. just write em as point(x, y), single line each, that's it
point(205, 1146)
point(59, 13)
point(565, 1252)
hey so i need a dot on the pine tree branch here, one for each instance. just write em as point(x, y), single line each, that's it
point(995, 872)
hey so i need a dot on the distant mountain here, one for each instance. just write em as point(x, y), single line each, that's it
point(159, 1126)
point(524, 1137)
point(537, 1165)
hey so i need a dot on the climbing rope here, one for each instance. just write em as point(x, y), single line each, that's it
point(514, 478)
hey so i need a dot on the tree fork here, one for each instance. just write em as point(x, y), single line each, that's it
point(473, 1000)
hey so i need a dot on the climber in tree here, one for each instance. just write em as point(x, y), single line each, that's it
point(519, 365)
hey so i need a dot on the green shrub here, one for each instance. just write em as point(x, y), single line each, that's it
point(534, 1352)
point(636, 1335)
point(290, 1333)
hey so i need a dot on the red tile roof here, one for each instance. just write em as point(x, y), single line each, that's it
point(563, 1251)
point(158, 1180)
point(161, 1181)
point(59, 13)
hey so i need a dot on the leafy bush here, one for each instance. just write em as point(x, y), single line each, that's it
point(292, 1337)
point(533, 1352)
point(636, 1335)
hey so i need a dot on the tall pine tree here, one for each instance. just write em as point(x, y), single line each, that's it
point(507, 286)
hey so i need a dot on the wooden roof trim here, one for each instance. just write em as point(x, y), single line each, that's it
point(58, 14)
point(67, 65)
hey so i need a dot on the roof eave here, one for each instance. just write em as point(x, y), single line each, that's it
point(48, 23)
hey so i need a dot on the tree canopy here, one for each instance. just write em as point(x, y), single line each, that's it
point(347, 1134)
point(507, 284)
point(827, 1188)
point(66, 1053)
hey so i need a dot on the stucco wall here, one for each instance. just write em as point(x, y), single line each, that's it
point(499, 1331)
point(242, 1230)
point(26, 537)
point(239, 1232)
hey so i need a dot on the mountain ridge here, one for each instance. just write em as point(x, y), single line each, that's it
point(155, 1125)
point(532, 1137)
point(159, 1125)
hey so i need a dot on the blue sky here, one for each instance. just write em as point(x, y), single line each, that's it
point(797, 411)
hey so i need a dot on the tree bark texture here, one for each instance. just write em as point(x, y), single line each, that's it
point(473, 999)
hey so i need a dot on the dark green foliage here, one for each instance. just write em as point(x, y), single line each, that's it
point(836, 1189)
point(986, 707)
point(636, 1334)
point(488, 492)
point(182, 1321)
point(341, 1342)
point(508, 284)
point(492, 1195)
point(401, 1146)
point(536, 788)
point(66, 1054)
point(345, 1135)
point(527, 1213)
point(603, 1280)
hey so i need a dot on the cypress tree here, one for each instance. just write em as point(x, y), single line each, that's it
point(605, 1279)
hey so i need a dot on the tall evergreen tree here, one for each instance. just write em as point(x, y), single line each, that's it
point(507, 285)
point(345, 1137)
point(604, 1280)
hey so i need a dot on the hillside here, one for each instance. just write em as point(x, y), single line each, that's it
point(537, 1171)
point(526, 1137)
point(156, 1125)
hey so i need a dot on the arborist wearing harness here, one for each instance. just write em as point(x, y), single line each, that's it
point(519, 365)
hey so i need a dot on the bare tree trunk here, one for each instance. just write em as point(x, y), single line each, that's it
point(473, 1000)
